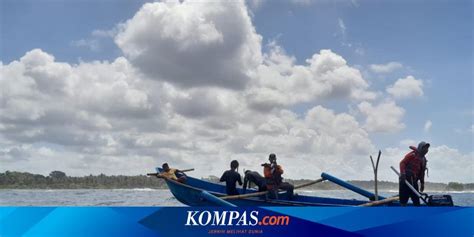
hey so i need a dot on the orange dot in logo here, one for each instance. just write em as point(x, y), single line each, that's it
point(260, 223)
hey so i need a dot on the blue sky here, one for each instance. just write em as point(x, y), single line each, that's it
point(433, 42)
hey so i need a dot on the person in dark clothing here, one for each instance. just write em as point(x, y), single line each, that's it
point(231, 177)
point(274, 180)
point(256, 178)
point(412, 169)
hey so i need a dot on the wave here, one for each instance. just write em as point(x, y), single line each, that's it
point(144, 189)
point(136, 189)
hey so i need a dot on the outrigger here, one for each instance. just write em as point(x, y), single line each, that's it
point(197, 192)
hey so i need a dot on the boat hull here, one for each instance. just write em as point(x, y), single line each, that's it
point(191, 194)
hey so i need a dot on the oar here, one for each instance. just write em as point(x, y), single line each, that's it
point(410, 186)
point(265, 192)
point(380, 202)
point(156, 174)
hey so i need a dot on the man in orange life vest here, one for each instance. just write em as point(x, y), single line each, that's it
point(412, 169)
point(272, 173)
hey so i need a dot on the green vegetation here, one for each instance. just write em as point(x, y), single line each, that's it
point(60, 180)
point(453, 186)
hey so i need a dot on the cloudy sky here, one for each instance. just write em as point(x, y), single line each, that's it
point(119, 87)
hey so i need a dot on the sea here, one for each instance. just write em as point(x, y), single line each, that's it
point(154, 197)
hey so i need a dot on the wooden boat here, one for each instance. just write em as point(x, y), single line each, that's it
point(197, 192)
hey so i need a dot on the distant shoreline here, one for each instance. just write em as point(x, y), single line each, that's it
point(59, 180)
point(165, 188)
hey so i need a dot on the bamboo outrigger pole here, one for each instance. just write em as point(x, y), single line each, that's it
point(256, 194)
point(309, 183)
point(380, 202)
point(156, 174)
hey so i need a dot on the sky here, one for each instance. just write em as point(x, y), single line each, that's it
point(119, 87)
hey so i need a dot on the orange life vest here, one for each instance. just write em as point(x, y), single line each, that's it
point(267, 171)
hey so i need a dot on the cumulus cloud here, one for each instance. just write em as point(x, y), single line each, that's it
point(281, 82)
point(321, 131)
point(385, 68)
point(407, 87)
point(48, 101)
point(383, 117)
point(94, 113)
point(193, 89)
point(193, 44)
point(95, 42)
point(439, 158)
point(255, 4)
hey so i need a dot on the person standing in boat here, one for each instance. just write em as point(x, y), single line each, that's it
point(231, 177)
point(173, 174)
point(412, 169)
point(272, 173)
point(256, 178)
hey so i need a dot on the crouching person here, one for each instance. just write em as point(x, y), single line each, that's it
point(256, 178)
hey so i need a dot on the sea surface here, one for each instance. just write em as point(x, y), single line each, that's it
point(152, 197)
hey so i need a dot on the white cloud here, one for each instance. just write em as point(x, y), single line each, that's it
point(255, 4)
point(326, 75)
point(384, 117)
point(193, 44)
point(385, 68)
point(427, 126)
point(49, 101)
point(105, 33)
point(445, 164)
point(122, 117)
point(408, 142)
point(95, 113)
point(91, 44)
point(95, 42)
point(407, 87)
point(342, 27)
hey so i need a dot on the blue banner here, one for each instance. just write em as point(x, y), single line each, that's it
point(212, 221)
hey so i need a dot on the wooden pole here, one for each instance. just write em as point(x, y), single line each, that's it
point(230, 197)
point(381, 202)
point(156, 174)
point(265, 192)
point(375, 167)
point(308, 184)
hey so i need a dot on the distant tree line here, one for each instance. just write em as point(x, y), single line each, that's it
point(59, 180)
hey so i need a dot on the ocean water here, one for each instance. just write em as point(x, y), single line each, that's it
point(152, 197)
